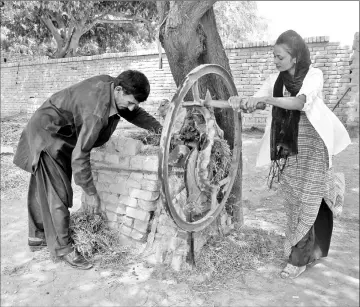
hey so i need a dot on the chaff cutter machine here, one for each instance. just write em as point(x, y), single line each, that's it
point(197, 168)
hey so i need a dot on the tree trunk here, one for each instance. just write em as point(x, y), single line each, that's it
point(66, 47)
point(190, 38)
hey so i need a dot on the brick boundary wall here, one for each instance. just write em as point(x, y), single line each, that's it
point(352, 121)
point(25, 85)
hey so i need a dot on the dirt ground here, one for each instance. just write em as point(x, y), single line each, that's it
point(33, 279)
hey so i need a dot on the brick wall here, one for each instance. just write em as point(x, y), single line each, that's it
point(25, 85)
point(352, 121)
point(11, 57)
point(251, 63)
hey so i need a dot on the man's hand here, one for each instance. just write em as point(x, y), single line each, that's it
point(94, 205)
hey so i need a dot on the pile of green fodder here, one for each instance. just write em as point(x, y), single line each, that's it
point(93, 238)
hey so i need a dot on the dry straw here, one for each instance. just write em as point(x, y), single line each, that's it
point(94, 239)
point(224, 258)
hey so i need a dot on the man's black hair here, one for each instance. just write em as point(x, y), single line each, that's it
point(134, 82)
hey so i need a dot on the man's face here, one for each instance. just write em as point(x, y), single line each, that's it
point(124, 100)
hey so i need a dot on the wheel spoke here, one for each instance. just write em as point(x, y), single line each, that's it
point(195, 92)
point(224, 181)
point(214, 202)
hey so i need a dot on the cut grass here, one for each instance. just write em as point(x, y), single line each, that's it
point(147, 137)
point(224, 258)
point(150, 139)
point(95, 240)
point(220, 161)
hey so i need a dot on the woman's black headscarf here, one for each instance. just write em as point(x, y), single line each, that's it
point(285, 123)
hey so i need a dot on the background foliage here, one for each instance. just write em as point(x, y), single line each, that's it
point(76, 28)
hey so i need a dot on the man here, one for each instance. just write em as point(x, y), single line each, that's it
point(57, 142)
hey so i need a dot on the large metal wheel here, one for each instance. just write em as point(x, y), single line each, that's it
point(188, 177)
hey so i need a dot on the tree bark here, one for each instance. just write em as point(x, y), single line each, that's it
point(190, 38)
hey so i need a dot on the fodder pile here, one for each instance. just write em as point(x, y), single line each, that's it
point(242, 250)
point(95, 239)
point(224, 258)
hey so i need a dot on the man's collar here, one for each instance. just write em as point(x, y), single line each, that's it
point(113, 108)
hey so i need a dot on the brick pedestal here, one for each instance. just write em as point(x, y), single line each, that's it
point(126, 176)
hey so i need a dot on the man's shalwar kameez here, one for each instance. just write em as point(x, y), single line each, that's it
point(56, 144)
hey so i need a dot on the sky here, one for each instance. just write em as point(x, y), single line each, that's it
point(337, 19)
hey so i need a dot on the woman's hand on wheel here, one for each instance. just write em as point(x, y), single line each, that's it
point(235, 103)
point(252, 102)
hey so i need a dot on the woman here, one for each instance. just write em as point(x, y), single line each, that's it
point(300, 138)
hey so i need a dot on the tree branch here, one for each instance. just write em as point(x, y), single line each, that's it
point(59, 21)
point(90, 26)
point(48, 23)
point(62, 53)
point(70, 30)
point(123, 17)
point(102, 19)
point(114, 21)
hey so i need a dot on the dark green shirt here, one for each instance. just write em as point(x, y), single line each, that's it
point(72, 122)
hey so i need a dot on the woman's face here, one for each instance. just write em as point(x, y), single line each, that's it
point(283, 59)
